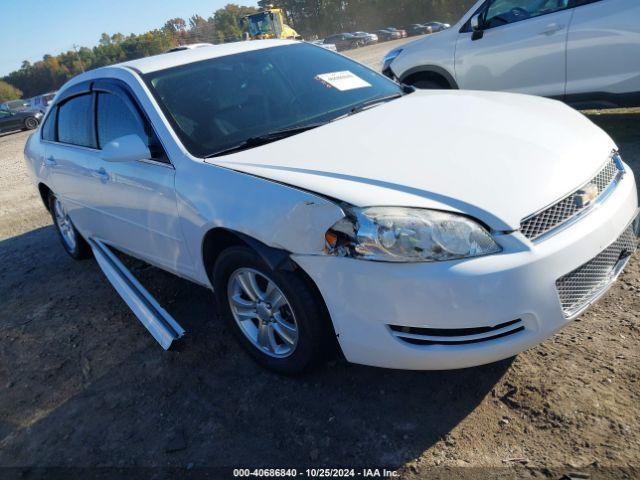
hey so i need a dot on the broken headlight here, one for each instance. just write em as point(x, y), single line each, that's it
point(397, 234)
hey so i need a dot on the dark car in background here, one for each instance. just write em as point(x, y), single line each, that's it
point(385, 35)
point(403, 33)
point(11, 120)
point(344, 41)
point(417, 29)
point(436, 26)
point(15, 105)
point(367, 38)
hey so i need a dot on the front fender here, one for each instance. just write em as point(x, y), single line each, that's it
point(277, 215)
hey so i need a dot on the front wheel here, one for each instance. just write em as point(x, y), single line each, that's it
point(427, 85)
point(276, 315)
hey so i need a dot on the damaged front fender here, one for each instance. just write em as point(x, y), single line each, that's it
point(276, 215)
point(307, 222)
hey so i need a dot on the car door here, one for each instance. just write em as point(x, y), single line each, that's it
point(337, 41)
point(10, 121)
point(5, 121)
point(137, 198)
point(72, 158)
point(603, 50)
point(520, 47)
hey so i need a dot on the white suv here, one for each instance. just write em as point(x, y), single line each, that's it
point(585, 52)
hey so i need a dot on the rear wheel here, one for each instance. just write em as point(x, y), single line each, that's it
point(31, 123)
point(276, 315)
point(71, 240)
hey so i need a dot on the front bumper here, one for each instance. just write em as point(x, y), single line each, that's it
point(370, 302)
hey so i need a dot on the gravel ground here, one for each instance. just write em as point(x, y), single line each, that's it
point(84, 385)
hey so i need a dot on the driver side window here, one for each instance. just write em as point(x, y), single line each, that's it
point(503, 12)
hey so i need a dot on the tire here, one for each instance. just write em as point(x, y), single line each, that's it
point(31, 123)
point(427, 85)
point(279, 348)
point(72, 242)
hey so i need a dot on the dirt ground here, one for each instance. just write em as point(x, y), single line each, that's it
point(82, 384)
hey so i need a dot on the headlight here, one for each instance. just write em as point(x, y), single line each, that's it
point(397, 234)
point(390, 57)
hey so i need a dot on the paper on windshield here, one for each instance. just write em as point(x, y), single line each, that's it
point(343, 81)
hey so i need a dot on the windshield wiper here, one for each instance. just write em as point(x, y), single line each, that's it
point(270, 137)
point(373, 103)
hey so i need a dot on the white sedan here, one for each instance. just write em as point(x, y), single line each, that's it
point(325, 204)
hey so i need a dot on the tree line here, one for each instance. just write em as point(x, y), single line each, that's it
point(311, 18)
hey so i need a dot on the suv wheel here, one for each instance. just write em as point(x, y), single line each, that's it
point(72, 241)
point(276, 315)
point(427, 85)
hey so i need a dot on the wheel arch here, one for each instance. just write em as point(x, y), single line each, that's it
point(218, 239)
point(45, 191)
point(430, 72)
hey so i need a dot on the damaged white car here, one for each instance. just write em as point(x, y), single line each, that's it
point(321, 201)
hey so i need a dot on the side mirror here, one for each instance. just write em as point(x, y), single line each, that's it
point(475, 22)
point(126, 149)
point(476, 26)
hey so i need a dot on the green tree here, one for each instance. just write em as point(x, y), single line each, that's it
point(227, 22)
point(8, 92)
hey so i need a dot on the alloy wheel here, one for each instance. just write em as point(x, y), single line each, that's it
point(262, 312)
point(65, 226)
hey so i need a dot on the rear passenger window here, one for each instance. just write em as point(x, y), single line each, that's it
point(49, 127)
point(116, 119)
point(75, 122)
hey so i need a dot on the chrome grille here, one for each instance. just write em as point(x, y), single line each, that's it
point(585, 284)
point(552, 217)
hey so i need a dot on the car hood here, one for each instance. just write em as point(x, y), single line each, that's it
point(495, 156)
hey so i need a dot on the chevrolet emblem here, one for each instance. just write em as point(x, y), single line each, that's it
point(586, 195)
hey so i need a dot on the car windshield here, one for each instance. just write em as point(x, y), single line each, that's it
point(217, 104)
point(15, 105)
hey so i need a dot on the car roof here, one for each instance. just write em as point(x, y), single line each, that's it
point(175, 59)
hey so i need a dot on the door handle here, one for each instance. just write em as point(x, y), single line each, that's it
point(551, 29)
point(101, 175)
point(50, 162)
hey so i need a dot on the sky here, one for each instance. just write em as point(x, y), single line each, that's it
point(32, 28)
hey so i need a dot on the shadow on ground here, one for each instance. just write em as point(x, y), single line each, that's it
point(85, 385)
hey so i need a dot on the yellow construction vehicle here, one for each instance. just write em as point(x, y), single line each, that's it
point(269, 23)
